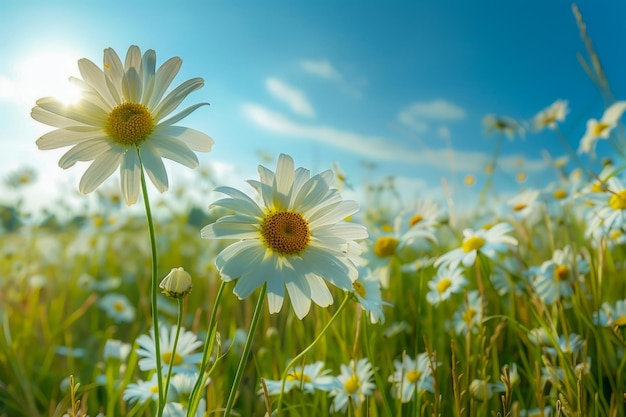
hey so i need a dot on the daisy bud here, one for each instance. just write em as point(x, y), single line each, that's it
point(177, 284)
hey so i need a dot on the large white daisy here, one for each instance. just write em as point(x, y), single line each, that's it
point(294, 238)
point(122, 118)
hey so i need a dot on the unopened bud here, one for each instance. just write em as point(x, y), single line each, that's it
point(177, 284)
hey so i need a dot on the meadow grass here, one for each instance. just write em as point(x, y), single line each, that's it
point(536, 325)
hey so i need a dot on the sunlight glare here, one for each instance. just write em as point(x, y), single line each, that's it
point(44, 73)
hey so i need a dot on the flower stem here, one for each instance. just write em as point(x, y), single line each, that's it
point(154, 286)
point(194, 397)
point(179, 323)
point(246, 352)
point(304, 352)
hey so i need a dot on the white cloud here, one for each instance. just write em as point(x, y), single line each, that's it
point(322, 68)
point(295, 98)
point(375, 147)
point(418, 114)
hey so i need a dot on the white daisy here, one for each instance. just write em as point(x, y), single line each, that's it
point(525, 205)
point(469, 315)
point(503, 124)
point(489, 242)
point(601, 129)
point(412, 376)
point(549, 116)
point(419, 221)
point(143, 391)
point(367, 290)
point(609, 210)
point(555, 278)
point(184, 360)
point(296, 238)
point(611, 315)
point(312, 377)
point(118, 308)
point(122, 118)
point(352, 386)
point(116, 349)
point(448, 281)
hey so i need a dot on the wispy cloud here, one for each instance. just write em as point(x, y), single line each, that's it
point(419, 115)
point(376, 147)
point(322, 68)
point(295, 98)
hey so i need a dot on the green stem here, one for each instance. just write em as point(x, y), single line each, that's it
point(194, 397)
point(304, 352)
point(179, 323)
point(154, 286)
point(246, 351)
point(490, 175)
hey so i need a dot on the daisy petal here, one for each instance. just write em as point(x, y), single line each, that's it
point(130, 177)
point(100, 169)
point(154, 167)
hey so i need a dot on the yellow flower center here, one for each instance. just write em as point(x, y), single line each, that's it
point(413, 376)
point(415, 220)
point(500, 124)
point(615, 234)
point(599, 128)
point(352, 384)
point(387, 228)
point(167, 356)
point(620, 321)
point(285, 232)
point(472, 243)
point(129, 123)
point(154, 389)
point(385, 246)
point(469, 180)
point(298, 376)
point(561, 273)
point(521, 177)
point(560, 194)
point(597, 187)
point(519, 207)
point(359, 288)
point(618, 200)
point(98, 221)
point(118, 306)
point(548, 119)
point(443, 285)
point(469, 315)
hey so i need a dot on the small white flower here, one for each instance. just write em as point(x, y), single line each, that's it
point(549, 116)
point(184, 359)
point(503, 124)
point(412, 376)
point(611, 315)
point(367, 290)
point(489, 242)
point(601, 129)
point(352, 386)
point(448, 281)
point(555, 278)
point(312, 377)
point(469, 315)
point(118, 308)
point(116, 349)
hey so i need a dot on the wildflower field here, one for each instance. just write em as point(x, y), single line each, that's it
point(281, 297)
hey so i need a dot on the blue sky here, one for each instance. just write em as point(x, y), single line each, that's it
point(401, 84)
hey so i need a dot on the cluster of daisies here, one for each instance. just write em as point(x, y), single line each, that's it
point(294, 239)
